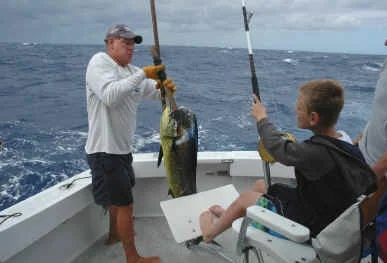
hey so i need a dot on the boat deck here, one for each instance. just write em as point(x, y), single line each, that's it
point(155, 238)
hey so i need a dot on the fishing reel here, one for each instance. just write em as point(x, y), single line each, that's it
point(265, 155)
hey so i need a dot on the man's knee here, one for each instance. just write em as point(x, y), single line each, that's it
point(124, 209)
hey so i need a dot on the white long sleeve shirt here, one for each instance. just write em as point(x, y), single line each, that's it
point(374, 140)
point(113, 94)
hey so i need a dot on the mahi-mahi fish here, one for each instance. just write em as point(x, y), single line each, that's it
point(178, 148)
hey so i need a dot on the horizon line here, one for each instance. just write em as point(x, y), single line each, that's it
point(33, 43)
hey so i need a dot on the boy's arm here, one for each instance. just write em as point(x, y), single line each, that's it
point(287, 152)
point(302, 155)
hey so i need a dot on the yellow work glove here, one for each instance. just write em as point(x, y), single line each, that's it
point(152, 72)
point(265, 155)
point(168, 83)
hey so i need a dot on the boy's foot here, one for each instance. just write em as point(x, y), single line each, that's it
point(217, 210)
point(110, 240)
point(148, 260)
point(206, 222)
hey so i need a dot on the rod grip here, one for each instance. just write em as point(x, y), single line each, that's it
point(254, 82)
point(157, 61)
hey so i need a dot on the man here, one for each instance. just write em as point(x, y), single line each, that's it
point(373, 144)
point(114, 89)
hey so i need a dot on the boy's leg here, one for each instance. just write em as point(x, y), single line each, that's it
point(126, 233)
point(237, 209)
point(260, 186)
point(217, 210)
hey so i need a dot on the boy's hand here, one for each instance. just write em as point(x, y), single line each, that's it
point(257, 109)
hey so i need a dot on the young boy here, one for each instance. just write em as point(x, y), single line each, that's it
point(330, 172)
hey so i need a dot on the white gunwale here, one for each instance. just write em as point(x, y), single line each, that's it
point(63, 224)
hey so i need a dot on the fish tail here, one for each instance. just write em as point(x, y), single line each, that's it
point(160, 156)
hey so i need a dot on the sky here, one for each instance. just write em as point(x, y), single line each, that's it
point(349, 26)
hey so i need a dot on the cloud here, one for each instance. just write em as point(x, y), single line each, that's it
point(319, 14)
point(182, 21)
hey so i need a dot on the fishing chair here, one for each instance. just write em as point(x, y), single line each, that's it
point(344, 240)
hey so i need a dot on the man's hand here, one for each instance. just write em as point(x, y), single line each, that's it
point(168, 83)
point(380, 167)
point(152, 72)
point(357, 140)
point(257, 109)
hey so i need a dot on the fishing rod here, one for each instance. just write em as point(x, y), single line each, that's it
point(246, 18)
point(255, 86)
point(155, 50)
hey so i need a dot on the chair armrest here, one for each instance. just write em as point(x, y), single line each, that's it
point(282, 225)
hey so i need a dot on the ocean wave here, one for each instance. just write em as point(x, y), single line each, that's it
point(290, 61)
point(374, 67)
point(44, 138)
point(34, 159)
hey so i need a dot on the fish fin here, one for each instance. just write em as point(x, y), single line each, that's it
point(173, 146)
point(170, 193)
point(196, 141)
point(216, 243)
point(198, 240)
point(160, 156)
point(193, 242)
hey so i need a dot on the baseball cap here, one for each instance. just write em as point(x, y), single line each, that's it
point(123, 31)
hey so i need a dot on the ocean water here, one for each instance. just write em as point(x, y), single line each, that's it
point(43, 118)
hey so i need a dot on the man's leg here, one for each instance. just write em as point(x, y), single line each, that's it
point(113, 232)
point(237, 209)
point(125, 227)
point(100, 190)
point(383, 245)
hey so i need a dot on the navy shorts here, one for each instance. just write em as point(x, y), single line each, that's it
point(285, 200)
point(112, 178)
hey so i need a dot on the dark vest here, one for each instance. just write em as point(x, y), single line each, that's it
point(330, 195)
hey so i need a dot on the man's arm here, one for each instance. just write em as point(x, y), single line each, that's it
point(357, 140)
point(380, 167)
point(370, 206)
point(102, 79)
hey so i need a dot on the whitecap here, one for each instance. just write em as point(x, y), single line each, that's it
point(290, 61)
point(141, 141)
point(370, 68)
point(218, 118)
point(245, 120)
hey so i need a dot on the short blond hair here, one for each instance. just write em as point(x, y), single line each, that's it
point(324, 96)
